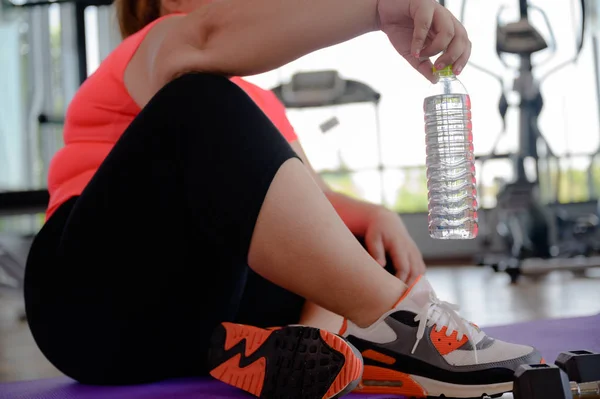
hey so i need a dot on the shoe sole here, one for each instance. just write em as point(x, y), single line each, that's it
point(379, 380)
point(288, 362)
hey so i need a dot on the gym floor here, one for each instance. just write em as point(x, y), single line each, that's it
point(485, 297)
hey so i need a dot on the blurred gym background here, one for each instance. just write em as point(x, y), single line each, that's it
point(357, 108)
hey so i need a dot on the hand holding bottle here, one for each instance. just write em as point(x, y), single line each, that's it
point(419, 29)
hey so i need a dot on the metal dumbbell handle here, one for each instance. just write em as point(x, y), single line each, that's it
point(586, 390)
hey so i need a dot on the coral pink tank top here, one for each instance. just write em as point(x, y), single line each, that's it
point(101, 111)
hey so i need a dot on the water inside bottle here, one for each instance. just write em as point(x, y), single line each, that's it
point(450, 167)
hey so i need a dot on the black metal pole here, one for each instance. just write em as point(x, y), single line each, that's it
point(524, 8)
point(527, 135)
point(595, 44)
point(591, 183)
point(81, 45)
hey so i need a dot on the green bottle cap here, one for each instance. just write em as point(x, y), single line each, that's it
point(447, 71)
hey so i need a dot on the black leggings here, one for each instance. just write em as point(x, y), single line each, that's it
point(125, 283)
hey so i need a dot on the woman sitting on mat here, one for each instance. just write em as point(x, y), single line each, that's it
point(187, 233)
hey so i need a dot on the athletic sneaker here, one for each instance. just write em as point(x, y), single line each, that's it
point(423, 348)
point(284, 363)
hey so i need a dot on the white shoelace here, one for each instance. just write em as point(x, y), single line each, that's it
point(443, 314)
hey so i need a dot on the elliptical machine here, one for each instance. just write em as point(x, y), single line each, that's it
point(524, 221)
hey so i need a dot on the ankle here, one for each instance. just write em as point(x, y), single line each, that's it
point(371, 311)
point(367, 319)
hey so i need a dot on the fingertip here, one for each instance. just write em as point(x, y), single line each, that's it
point(425, 68)
point(432, 78)
point(417, 47)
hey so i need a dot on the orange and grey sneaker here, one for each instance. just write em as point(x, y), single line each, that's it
point(422, 347)
point(288, 362)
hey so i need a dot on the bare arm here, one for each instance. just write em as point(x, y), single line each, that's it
point(247, 37)
point(244, 37)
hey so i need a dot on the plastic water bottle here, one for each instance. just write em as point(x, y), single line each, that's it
point(451, 181)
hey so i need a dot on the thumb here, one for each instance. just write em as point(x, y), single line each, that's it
point(423, 66)
point(376, 248)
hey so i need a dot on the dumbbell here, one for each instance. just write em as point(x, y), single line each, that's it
point(574, 375)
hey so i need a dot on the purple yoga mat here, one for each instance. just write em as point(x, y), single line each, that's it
point(550, 336)
point(201, 388)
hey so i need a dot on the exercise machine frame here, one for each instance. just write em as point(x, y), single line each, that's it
point(520, 199)
point(318, 89)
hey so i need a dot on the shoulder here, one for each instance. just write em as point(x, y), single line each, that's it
point(136, 53)
point(131, 45)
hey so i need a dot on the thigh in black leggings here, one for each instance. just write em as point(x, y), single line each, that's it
point(125, 283)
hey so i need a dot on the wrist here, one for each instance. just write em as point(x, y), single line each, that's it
point(383, 213)
point(377, 17)
point(378, 212)
point(374, 23)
